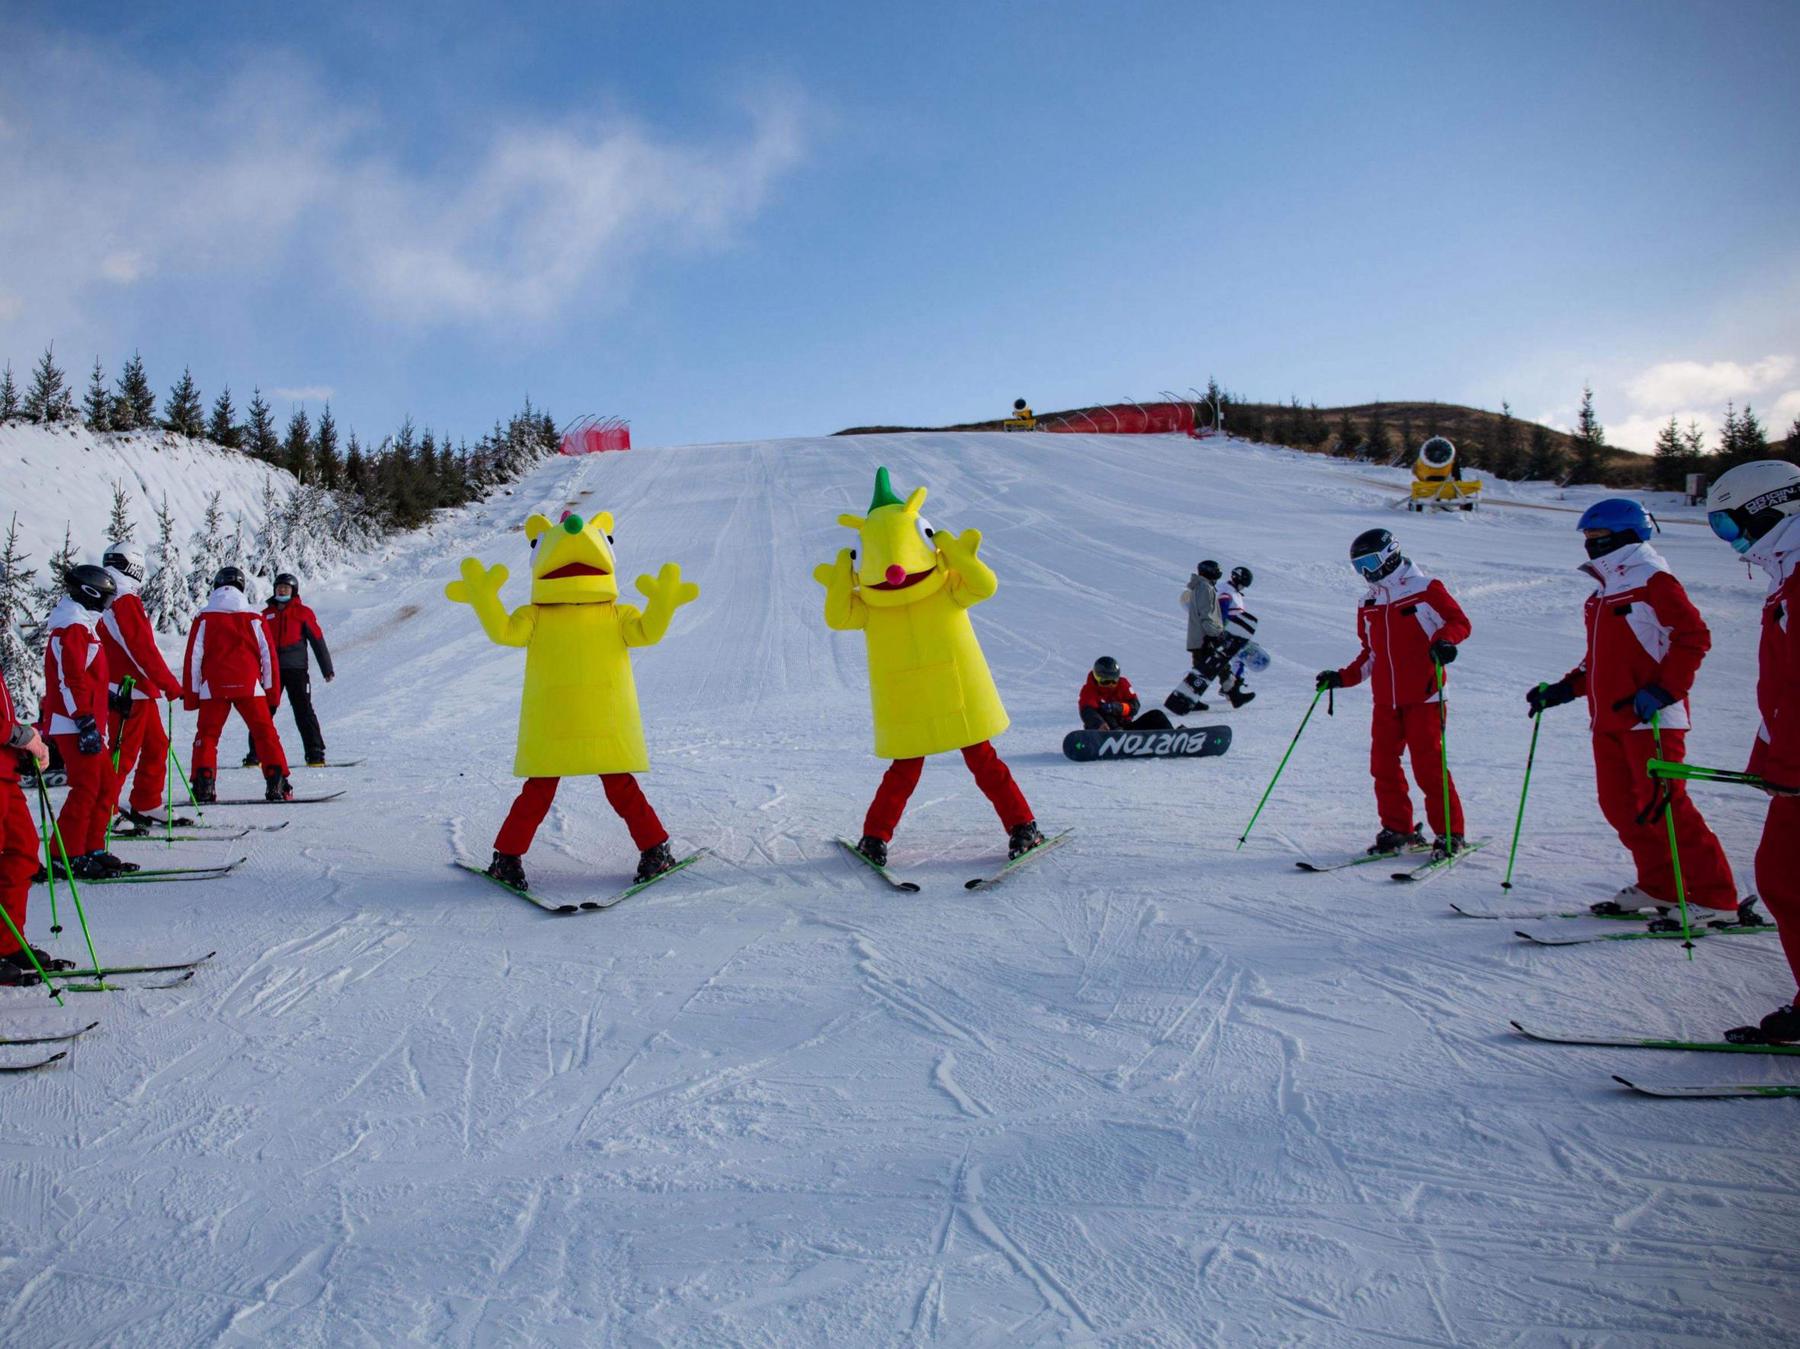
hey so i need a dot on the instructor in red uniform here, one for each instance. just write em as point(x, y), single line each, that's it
point(1410, 629)
point(20, 747)
point(1755, 508)
point(137, 730)
point(231, 664)
point(75, 695)
point(295, 628)
point(1645, 642)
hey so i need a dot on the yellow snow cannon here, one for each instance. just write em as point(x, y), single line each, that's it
point(909, 590)
point(1438, 481)
point(1022, 419)
point(578, 713)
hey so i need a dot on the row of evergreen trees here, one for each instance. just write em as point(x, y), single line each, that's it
point(343, 496)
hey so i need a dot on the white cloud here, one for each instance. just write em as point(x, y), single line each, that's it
point(123, 175)
point(305, 393)
point(1675, 382)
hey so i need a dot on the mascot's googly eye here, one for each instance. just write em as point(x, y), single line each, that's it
point(609, 538)
point(925, 530)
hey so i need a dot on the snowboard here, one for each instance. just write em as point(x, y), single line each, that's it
point(1182, 742)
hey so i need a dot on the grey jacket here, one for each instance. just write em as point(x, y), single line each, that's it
point(1203, 612)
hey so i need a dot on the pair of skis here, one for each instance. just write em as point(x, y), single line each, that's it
point(1434, 865)
point(978, 882)
point(164, 875)
point(336, 763)
point(583, 905)
point(57, 1057)
point(1711, 1092)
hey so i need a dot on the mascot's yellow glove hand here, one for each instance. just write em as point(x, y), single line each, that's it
point(666, 590)
point(958, 549)
point(838, 575)
point(479, 585)
point(971, 579)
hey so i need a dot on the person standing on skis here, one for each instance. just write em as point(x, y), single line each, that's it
point(1645, 643)
point(295, 627)
point(230, 664)
point(131, 651)
point(1410, 629)
point(1755, 507)
point(21, 748)
point(75, 694)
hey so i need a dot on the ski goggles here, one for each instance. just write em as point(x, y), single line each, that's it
point(1729, 527)
point(1369, 563)
point(1106, 683)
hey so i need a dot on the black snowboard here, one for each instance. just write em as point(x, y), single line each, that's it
point(1191, 742)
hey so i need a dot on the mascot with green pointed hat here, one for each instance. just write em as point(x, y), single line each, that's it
point(578, 713)
point(909, 591)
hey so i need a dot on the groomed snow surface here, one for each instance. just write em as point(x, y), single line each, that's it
point(1152, 1091)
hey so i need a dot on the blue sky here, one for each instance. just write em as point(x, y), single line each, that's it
point(729, 221)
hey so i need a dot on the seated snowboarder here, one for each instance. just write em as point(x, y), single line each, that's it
point(1108, 702)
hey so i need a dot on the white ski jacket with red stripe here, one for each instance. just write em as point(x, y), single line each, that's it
point(1398, 620)
point(1642, 629)
point(130, 643)
point(229, 653)
point(74, 668)
point(1776, 755)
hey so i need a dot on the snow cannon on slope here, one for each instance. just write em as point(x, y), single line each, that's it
point(1438, 481)
point(1022, 419)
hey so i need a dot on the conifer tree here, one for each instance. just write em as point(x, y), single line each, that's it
point(165, 587)
point(1348, 438)
point(206, 551)
point(184, 414)
point(1695, 441)
point(259, 431)
point(18, 664)
point(135, 407)
point(297, 447)
point(97, 404)
point(9, 396)
point(1668, 465)
point(1792, 450)
point(119, 528)
point(1376, 435)
point(1753, 441)
point(1590, 443)
point(222, 427)
point(48, 399)
point(49, 593)
point(356, 470)
point(1543, 461)
point(1727, 453)
point(325, 450)
point(1507, 460)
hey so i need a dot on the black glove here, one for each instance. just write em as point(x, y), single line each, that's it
point(87, 736)
point(1110, 709)
point(119, 701)
point(1328, 679)
point(1444, 653)
point(1542, 696)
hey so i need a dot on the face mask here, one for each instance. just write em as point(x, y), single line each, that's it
point(1608, 543)
point(283, 599)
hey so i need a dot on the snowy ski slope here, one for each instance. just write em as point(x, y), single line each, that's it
point(1152, 1091)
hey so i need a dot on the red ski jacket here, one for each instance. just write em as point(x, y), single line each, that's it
point(1093, 693)
point(75, 671)
point(130, 644)
point(1641, 629)
point(1398, 620)
point(14, 734)
point(294, 627)
point(1776, 755)
point(229, 654)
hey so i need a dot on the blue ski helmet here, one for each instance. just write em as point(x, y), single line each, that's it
point(1624, 521)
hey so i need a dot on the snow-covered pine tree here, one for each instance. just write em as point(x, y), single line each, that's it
point(222, 427)
point(165, 587)
point(48, 593)
point(356, 469)
point(271, 542)
point(326, 463)
point(48, 399)
point(135, 407)
point(184, 413)
point(206, 552)
point(259, 431)
point(23, 672)
point(119, 527)
point(9, 396)
point(97, 403)
point(297, 447)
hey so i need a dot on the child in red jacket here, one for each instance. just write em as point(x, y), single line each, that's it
point(137, 729)
point(75, 695)
point(1108, 702)
point(1410, 628)
point(231, 664)
point(1645, 642)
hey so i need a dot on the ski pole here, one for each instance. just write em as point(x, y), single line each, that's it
point(1537, 724)
point(1687, 939)
point(45, 830)
point(32, 956)
point(1318, 694)
point(1444, 755)
point(187, 787)
point(1689, 772)
point(74, 890)
point(126, 685)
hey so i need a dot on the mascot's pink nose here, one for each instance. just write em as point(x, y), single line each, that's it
point(896, 574)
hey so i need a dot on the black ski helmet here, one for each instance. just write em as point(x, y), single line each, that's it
point(1241, 578)
point(229, 576)
point(90, 586)
point(1210, 570)
point(1375, 554)
point(1106, 670)
point(288, 579)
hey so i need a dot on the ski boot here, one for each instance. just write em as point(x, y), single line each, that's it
point(315, 763)
point(205, 787)
point(1023, 839)
point(1448, 846)
point(86, 867)
point(1629, 900)
point(1668, 916)
point(652, 862)
point(115, 866)
point(875, 849)
point(1779, 1027)
point(277, 787)
point(18, 960)
point(509, 869)
point(250, 760)
point(1396, 841)
point(1239, 696)
point(1188, 695)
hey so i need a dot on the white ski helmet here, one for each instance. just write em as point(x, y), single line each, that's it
point(125, 557)
point(1751, 499)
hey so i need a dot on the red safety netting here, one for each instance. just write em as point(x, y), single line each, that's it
point(591, 435)
point(1125, 419)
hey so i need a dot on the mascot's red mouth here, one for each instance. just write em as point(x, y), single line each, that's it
point(574, 569)
point(912, 579)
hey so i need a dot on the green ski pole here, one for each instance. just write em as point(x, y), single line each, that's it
point(1537, 724)
point(1318, 694)
point(1687, 939)
point(32, 956)
point(1690, 772)
point(126, 685)
point(44, 829)
point(74, 890)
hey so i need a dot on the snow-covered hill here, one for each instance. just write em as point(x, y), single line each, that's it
point(1152, 1091)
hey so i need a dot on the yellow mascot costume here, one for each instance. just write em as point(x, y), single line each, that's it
point(909, 594)
point(578, 713)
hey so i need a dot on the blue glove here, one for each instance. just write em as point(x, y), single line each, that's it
point(1650, 700)
point(87, 736)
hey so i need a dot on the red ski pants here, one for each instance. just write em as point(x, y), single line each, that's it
point(1630, 801)
point(1418, 729)
point(87, 810)
point(533, 803)
point(18, 860)
point(256, 715)
point(991, 775)
point(1778, 874)
point(143, 745)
